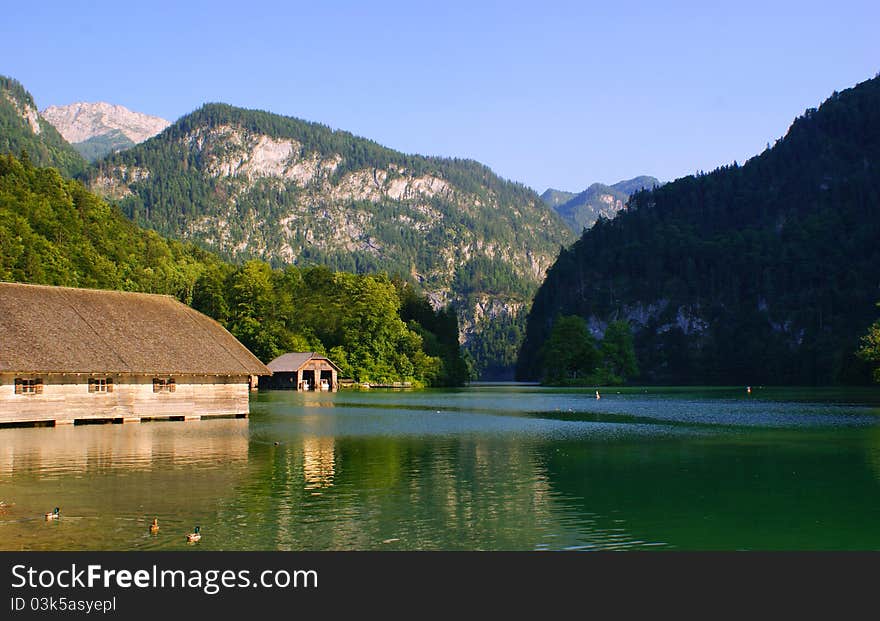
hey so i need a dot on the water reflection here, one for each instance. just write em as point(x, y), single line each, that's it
point(319, 459)
point(386, 493)
point(89, 448)
point(872, 451)
point(479, 469)
point(110, 480)
point(768, 490)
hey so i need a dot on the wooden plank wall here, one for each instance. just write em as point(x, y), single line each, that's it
point(66, 398)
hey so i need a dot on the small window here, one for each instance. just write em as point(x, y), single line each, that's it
point(24, 386)
point(101, 384)
point(163, 384)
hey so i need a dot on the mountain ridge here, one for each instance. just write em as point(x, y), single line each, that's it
point(252, 184)
point(760, 273)
point(554, 197)
point(97, 129)
point(581, 210)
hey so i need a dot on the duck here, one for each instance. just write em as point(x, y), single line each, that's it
point(194, 536)
point(154, 527)
point(54, 515)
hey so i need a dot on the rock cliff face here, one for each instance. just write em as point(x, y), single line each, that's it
point(26, 110)
point(97, 129)
point(254, 185)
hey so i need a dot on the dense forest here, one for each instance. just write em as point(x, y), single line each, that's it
point(249, 184)
point(572, 356)
point(53, 231)
point(765, 272)
point(375, 329)
point(23, 129)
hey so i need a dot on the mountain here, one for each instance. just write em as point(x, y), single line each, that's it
point(250, 184)
point(580, 211)
point(760, 273)
point(53, 231)
point(22, 128)
point(554, 198)
point(98, 129)
point(631, 186)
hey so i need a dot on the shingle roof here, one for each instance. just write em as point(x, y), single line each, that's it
point(64, 330)
point(290, 363)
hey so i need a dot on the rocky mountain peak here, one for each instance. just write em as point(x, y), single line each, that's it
point(79, 122)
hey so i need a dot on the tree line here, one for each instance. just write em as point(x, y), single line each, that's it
point(870, 348)
point(572, 356)
point(375, 328)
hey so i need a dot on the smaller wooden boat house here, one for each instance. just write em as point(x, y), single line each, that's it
point(302, 371)
point(75, 355)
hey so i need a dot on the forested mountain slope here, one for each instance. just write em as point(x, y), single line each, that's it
point(250, 184)
point(762, 273)
point(22, 128)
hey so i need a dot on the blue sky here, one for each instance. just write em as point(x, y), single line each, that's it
point(550, 94)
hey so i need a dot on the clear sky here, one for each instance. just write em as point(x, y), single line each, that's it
point(552, 94)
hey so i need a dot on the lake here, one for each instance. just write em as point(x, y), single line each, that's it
point(490, 467)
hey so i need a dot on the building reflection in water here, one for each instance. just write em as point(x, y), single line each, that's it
point(111, 480)
point(315, 491)
point(381, 493)
point(134, 446)
point(319, 462)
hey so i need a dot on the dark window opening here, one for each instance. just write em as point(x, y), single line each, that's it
point(101, 384)
point(24, 386)
point(163, 384)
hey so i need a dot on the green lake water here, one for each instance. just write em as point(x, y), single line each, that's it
point(483, 468)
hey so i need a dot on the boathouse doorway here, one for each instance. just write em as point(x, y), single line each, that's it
point(308, 380)
point(326, 379)
point(303, 371)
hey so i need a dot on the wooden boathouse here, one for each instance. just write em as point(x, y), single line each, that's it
point(84, 355)
point(302, 371)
